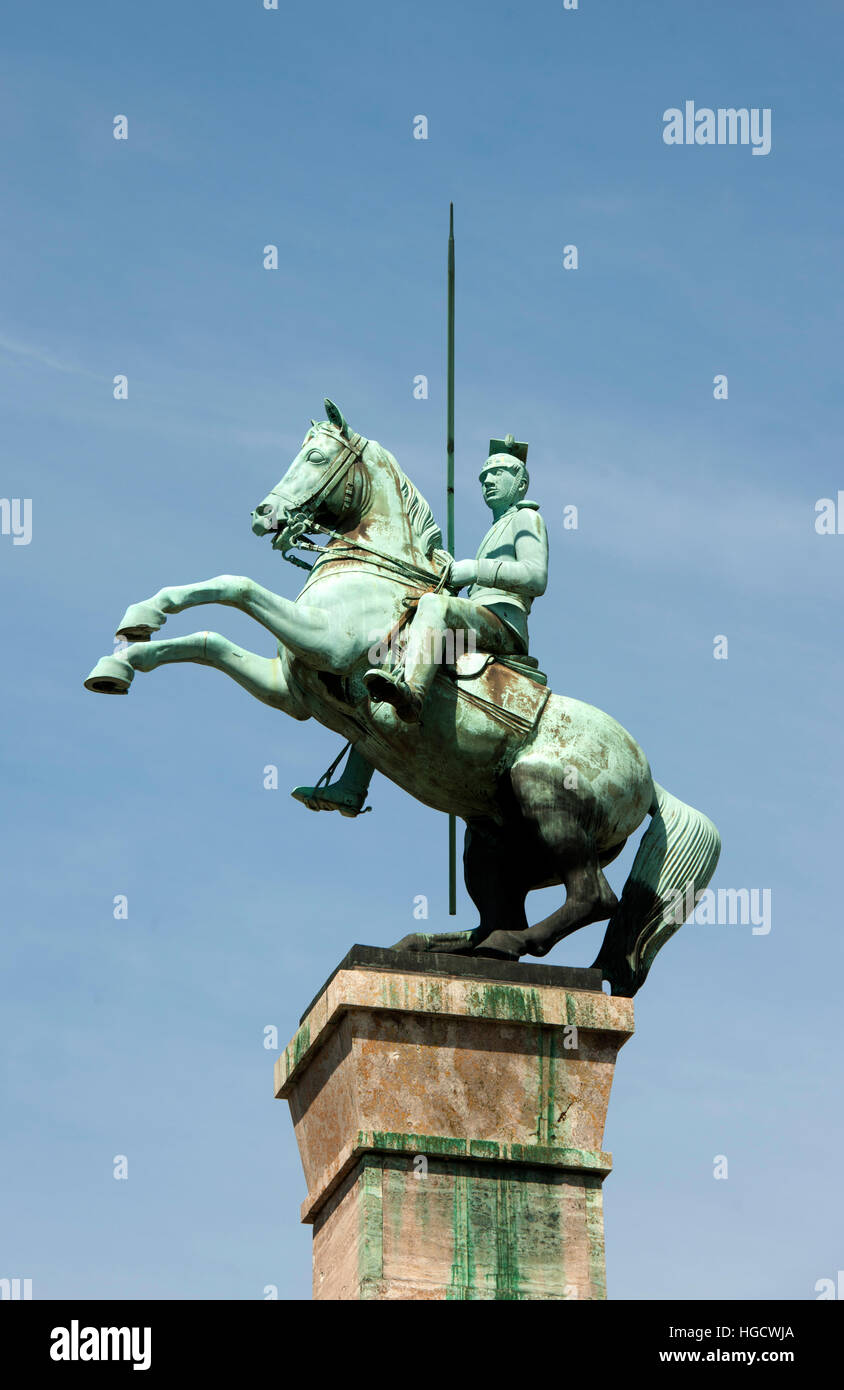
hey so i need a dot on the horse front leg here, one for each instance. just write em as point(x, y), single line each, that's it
point(305, 630)
point(263, 677)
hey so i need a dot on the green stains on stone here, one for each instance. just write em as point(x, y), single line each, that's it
point(546, 1112)
point(463, 1262)
point(510, 1003)
point(484, 1148)
point(396, 1142)
point(507, 1229)
point(297, 1048)
point(395, 1205)
point(392, 997)
point(408, 994)
point(370, 1198)
point(427, 995)
point(595, 1236)
point(478, 1230)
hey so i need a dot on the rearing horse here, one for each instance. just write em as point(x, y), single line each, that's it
point(550, 788)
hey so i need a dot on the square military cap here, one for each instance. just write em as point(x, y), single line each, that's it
point(509, 445)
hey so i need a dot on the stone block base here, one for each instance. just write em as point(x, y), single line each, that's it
point(450, 1117)
point(398, 1228)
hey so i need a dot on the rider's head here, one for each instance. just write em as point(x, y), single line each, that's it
point(504, 481)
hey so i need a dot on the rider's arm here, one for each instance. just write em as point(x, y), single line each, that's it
point(527, 573)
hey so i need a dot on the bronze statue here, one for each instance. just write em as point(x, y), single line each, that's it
point(550, 788)
point(508, 572)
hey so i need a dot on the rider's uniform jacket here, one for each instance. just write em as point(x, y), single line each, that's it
point(512, 566)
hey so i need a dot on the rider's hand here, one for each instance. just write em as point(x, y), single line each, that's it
point(463, 572)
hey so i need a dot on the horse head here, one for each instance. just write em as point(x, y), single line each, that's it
point(324, 485)
point(338, 479)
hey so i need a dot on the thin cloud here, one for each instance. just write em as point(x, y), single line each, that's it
point(39, 357)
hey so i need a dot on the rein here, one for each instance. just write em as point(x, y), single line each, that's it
point(404, 568)
point(302, 522)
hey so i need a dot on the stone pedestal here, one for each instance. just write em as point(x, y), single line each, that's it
point(450, 1115)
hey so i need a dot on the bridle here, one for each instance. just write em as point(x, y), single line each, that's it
point(300, 517)
point(302, 520)
point(350, 453)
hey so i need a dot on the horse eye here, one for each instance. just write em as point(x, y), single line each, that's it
point(315, 456)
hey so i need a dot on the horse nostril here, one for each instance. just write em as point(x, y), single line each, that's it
point(263, 510)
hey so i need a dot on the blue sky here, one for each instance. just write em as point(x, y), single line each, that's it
point(696, 518)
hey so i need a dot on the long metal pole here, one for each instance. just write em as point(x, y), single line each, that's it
point(452, 823)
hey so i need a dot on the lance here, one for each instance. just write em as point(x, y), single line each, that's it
point(452, 823)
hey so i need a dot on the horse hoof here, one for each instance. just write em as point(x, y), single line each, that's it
point(139, 622)
point(456, 943)
point(111, 676)
point(501, 945)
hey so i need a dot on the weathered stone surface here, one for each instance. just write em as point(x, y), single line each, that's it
point(451, 1135)
point(474, 967)
point(463, 1230)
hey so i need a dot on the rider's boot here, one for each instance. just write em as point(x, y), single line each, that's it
point(422, 659)
point(347, 795)
point(389, 687)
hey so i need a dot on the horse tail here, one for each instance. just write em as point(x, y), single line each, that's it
point(679, 849)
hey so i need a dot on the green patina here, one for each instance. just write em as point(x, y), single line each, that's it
point(454, 760)
point(442, 1146)
point(397, 1142)
point(594, 1198)
point(391, 996)
point(508, 1228)
point(298, 1047)
point(371, 1219)
point(432, 995)
point(513, 1003)
point(463, 1258)
point(486, 1148)
point(395, 1203)
point(546, 1096)
point(556, 1156)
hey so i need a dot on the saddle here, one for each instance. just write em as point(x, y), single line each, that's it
point(509, 690)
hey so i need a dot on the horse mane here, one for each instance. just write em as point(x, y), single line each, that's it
point(422, 520)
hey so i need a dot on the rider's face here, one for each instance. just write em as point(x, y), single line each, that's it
point(501, 487)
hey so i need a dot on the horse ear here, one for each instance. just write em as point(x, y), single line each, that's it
point(335, 417)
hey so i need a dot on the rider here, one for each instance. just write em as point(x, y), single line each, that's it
point(508, 572)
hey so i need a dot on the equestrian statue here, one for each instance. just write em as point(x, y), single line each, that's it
point(440, 694)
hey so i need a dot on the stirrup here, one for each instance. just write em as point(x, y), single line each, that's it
point(323, 784)
point(308, 795)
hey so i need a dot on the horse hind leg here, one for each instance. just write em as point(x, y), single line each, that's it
point(566, 851)
point(589, 898)
point(493, 881)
